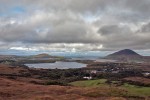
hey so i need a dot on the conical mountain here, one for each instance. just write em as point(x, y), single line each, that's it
point(125, 54)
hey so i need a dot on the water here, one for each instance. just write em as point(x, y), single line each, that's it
point(96, 59)
point(84, 58)
point(105, 60)
point(58, 65)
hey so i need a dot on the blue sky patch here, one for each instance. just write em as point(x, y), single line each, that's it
point(18, 9)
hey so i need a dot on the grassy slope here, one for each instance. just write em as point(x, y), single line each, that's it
point(90, 83)
point(15, 90)
point(132, 90)
point(137, 90)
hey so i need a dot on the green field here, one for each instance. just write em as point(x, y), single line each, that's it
point(137, 90)
point(90, 83)
point(132, 90)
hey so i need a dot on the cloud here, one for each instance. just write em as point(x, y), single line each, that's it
point(85, 24)
point(23, 49)
point(145, 28)
point(114, 29)
point(44, 27)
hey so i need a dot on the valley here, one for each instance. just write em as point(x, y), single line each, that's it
point(120, 80)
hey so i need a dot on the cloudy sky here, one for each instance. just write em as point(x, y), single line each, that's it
point(74, 25)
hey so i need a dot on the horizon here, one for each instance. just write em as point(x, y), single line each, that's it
point(71, 54)
point(71, 28)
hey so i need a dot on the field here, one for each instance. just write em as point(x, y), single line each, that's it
point(134, 90)
point(131, 90)
point(90, 83)
point(15, 90)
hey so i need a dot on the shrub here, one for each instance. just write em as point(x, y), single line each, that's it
point(54, 82)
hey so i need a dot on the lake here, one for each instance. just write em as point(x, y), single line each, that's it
point(58, 65)
point(105, 60)
point(96, 59)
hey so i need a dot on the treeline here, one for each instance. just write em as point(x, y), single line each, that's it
point(36, 61)
point(136, 83)
point(58, 76)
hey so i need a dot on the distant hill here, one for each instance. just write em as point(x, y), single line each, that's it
point(125, 55)
point(43, 55)
point(8, 57)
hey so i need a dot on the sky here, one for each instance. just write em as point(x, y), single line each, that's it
point(74, 26)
